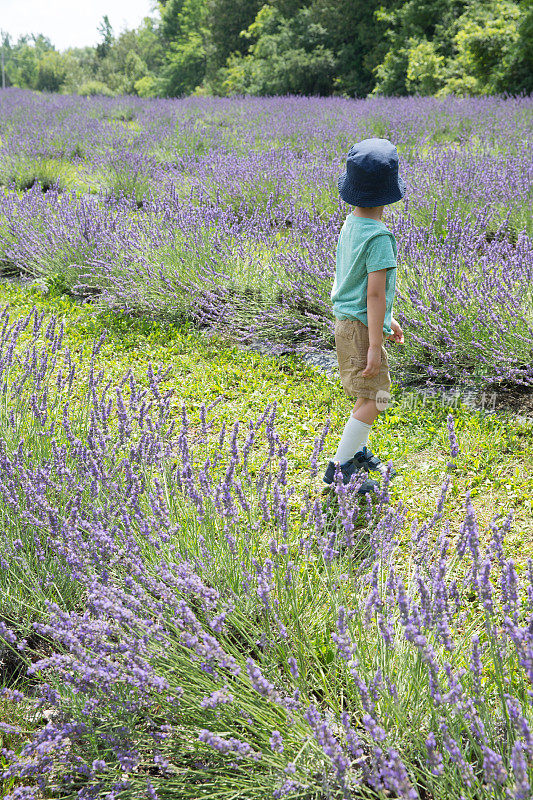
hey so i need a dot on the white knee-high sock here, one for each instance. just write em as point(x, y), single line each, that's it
point(354, 438)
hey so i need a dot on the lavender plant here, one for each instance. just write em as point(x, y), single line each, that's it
point(192, 625)
point(22, 172)
point(225, 211)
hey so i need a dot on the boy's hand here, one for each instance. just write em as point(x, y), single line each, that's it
point(373, 362)
point(397, 333)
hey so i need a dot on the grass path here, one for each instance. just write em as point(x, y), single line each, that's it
point(496, 449)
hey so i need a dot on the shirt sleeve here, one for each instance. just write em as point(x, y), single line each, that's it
point(380, 254)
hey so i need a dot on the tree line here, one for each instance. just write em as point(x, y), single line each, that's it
point(351, 48)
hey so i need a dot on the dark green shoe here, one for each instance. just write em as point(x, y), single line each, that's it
point(348, 469)
point(365, 459)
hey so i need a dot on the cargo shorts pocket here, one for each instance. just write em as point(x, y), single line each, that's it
point(356, 364)
point(358, 361)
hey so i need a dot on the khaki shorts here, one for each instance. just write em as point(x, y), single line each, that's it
point(351, 343)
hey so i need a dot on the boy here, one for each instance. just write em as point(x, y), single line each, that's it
point(362, 296)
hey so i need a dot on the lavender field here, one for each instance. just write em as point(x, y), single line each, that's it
point(226, 212)
point(182, 614)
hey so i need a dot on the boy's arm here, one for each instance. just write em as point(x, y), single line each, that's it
point(375, 307)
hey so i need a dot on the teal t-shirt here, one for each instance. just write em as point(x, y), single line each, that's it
point(364, 245)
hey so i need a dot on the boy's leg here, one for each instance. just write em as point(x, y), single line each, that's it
point(356, 431)
point(351, 344)
point(366, 410)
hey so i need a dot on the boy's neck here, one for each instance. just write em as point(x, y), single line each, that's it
point(375, 212)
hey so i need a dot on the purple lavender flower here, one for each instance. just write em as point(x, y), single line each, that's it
point(454, 444)
point(276, 742)
point(520, 773)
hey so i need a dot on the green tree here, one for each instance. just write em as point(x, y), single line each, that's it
point(185, 33)
point(148, 44)
point(459, 46)
point(5, 44)
point(408, 24)
point(424, 68)
point(106, 32)
point(518, 75)
point(22, 69)
point(486, 42)
point(134, 55)
point(22, 60)
point(287, 56)
point(356, 37)
point(226, 20)
point(81, 68)
point(172, 20)
point(314, 47)
point(289, 8)
point(52, 69)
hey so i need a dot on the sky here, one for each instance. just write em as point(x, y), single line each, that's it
point(70, 23)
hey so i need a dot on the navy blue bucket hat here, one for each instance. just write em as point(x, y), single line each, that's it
point(371, 177)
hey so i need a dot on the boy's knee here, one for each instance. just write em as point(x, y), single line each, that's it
point(367, 404)
point(365, 401)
